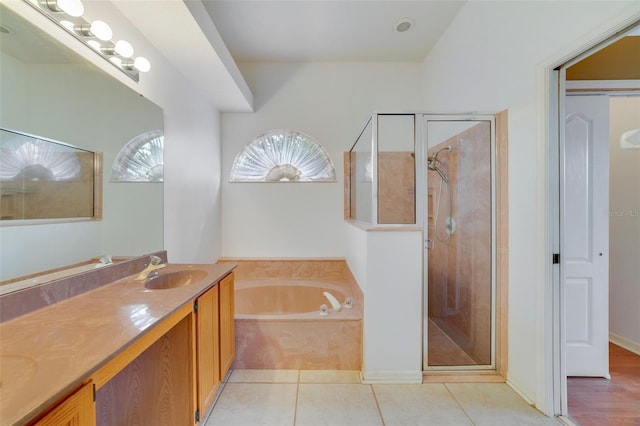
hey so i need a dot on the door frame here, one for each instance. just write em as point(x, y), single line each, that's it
point(422, 149)
point(552, 79)
point(500, 258)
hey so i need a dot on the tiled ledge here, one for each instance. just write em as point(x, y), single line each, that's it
point(294, 268)
point(21, 302)
point(382, 228)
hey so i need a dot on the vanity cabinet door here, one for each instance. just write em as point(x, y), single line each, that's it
point(208, 350)
point(77, 410)
point(227, 324)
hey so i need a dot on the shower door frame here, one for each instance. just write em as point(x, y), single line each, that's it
point(422, 121)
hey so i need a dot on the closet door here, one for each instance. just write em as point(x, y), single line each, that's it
point(585, 234)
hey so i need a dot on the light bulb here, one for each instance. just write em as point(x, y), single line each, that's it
point(71, 7)
point(142, 64)
point(101, 30)
point(68, 25)
point(94, 44)
point(123, 48)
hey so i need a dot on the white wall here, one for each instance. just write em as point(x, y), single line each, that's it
point(328, 101)
point(624, 226)
point(392, 332)
point(192, 215)
point(488, 60)
point(388, 266)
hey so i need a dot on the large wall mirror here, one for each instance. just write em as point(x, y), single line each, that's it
point(49, 91)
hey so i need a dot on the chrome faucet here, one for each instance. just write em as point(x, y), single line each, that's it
point(152, 268)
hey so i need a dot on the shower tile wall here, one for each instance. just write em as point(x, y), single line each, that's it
point(460, 269)
point(396, 187)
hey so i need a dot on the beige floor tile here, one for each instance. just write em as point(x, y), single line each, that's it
point(496, 404)
point(255, 404)
point(330, 376)
point(336, 405)
point(264, 376)
point(428, 404)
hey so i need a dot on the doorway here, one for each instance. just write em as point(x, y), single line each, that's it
point(460, 244)
point(583, 222)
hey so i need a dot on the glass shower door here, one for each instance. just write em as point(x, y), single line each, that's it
point(460, 246)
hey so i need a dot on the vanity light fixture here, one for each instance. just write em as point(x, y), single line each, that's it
point(73, 8)
point(123, 48)
point(98, 29)
point(67, 24)
point(94, 44)
point(140, 63)
point(97, 34)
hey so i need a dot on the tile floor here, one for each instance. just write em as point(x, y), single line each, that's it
point(292, 397)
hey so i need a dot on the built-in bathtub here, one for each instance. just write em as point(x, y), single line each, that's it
point(278, 320)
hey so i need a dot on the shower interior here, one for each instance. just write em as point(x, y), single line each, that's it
point(448, 194)
point(459, 255)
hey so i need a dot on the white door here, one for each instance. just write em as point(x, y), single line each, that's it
point(585, 235)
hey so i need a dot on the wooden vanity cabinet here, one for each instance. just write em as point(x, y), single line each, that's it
point(169, 375)
point(215, 340)
point(227, 324)
point(77, 410)
point(208, 347)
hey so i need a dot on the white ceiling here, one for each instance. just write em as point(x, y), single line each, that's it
point(329, 30)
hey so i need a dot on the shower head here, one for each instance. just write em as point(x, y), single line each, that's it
point(432, 162)
point(434, 157)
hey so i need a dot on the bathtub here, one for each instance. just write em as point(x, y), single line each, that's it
point(279, 326)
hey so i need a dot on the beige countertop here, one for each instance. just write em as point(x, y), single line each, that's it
point(47, 353)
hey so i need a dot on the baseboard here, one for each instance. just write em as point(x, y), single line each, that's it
point(522, 395)
point(566, 420)
point(391, 377)
point(629, 345)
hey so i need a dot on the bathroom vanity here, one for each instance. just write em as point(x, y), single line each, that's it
point(122, 353)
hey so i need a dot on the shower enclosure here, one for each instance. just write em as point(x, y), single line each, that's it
point(437, 173)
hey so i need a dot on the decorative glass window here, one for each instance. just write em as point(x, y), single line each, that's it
point(283, 156)
point(141, 159)
point(26, 158)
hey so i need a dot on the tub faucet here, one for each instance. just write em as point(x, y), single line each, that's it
point(334, 302)
point(152, 268)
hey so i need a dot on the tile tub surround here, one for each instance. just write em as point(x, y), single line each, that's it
point(276, 268)
point(302, 340)
point(13, 305)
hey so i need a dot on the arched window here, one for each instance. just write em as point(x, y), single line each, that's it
point(26, 158)
point(141, 159)
point(283, 156)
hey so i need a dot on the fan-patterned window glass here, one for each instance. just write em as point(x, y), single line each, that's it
point(283, 156)
point(141, 159)
point(26, 158)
